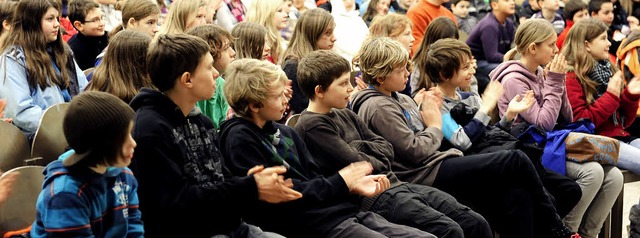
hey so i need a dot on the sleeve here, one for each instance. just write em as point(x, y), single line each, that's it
point(298, 101)
point(134, 219)
point(67, 215)
point(20, 106)
point(629, 104)
point(82, 79)
point(420, 23)
point(598, 112)
point(463, 137)
point(544, 113)
point(490, 40)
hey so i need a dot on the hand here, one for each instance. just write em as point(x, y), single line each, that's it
point(615, 84)
point(3, 104)
point(371, 185)
point(288, 90)
point(633, 22)
point(474, 63)
point(6, 185)
point(360, 85)
point(558, 64)
point(519, 104)
point(490, 97)
point(420, 96)
point(634, 85)
point(355, 171)
point(272, 187)
point(430, 112)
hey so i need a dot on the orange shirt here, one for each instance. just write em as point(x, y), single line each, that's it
point(421, 15)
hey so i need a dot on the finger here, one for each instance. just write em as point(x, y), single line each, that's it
point(275, 169)
point(255, 169)
point(288, 183)
point(517, 98)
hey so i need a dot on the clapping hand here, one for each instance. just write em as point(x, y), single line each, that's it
point(519, 104)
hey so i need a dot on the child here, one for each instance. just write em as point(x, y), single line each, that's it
point(574, 11)
point(219, 41)
point(415, 134)
point(6, 16)
point(250, 41)
point(336, 137)
point(603, 11)
point(124, 70)
point(460, 9)
point(87, 18)
point(184, 15)
point(535, 43)
point(529, 7)
point(549, 13)
point(89, 191)
point(139, 15)
point(255, 91)
point(375, 8)
point(491, 39)
point(271, 14)
point(314, 31)
point(421, 16)
point(38, 71)
point(185, 190)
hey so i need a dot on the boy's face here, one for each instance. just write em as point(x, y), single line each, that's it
point(226, 56)
point(273, 106)
point(326, 40)
point(549, 4)
point(126, 154)
point(507, 7)
point(605, 14)
point(462, 77)
point(337, 94)
point(582, 14)
point(50, 25)
point(203, 79)
point(396, 80)
point(461, 9)
point(93, 24)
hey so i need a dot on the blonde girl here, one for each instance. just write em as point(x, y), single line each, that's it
point(272, 15)
point(250, 41)
point(535, 46)
point(38, 69)
point(123, 72)
point(395, 26)
point(184, 14)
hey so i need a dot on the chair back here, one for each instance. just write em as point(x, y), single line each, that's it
point(14, 149)
point(19, 210)
point(291, 122)
point(49, 141)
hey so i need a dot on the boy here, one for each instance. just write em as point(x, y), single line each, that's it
point(574, 11)
point(460, 9)
point(88, 191)
point(88, 19)
point(255, 91)
point(516, 209)
point(185, 190)
point(422, 13)
point(527, 10)
point(603, 11)
point(336, 137)
point(219, 40)
point(491, 39)
point(549, 13)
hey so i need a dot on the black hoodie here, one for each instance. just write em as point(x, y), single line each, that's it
point(325, 202)
point(184, 189)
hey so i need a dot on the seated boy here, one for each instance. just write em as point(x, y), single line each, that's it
point(185, 189)
point(336, 137)
point(491, 39)
point(550, 13)
point(87, 18)
point(515, 209)
point(255, 91)
point(460, 9)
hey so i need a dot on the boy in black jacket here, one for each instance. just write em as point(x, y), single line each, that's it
point(184, 187)
point(88, 19)
point(255, 91)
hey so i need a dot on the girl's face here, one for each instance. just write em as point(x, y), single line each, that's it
point(406, 38)
point(382, 8)
point(266, 52)
point(147, 25)
point(327, 39)
point(582, 14)
point(198, 19)
point(546, 50)
point(599, 47)
point(50, 24)
point(281, 18)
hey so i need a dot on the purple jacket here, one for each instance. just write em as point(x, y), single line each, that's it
point(550, 93)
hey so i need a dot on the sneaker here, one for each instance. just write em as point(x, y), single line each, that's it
point(576, 235)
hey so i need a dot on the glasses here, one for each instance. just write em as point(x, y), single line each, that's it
point(97, 19)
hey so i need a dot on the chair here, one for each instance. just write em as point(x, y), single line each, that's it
point(291, 122)
point(14, 149)
point(49, 141)
point(613, 225)
point(19, 211)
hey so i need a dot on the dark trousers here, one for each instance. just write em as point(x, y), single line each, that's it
point(370, 224)
point(565, 193)
point(505, 188)
point(431, 210)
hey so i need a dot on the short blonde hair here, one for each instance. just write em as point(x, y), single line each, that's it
point(390, 25)
point(378, 57)
point(249, 81)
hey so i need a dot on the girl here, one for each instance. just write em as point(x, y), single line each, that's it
point(38, 69)
point(314, 31)
point(183, 15)
point(535, 42)
point(374, 9)
point(139, 15)
point(250, 41)
point(6, 16)
point(272, 15)
point(123, 72)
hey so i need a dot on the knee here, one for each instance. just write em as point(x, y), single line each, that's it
point(613, 179)
point(453, 230)
point(590, 174)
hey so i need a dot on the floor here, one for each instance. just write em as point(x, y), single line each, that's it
point(631, 196)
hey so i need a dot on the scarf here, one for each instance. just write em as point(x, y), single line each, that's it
point(601, 74)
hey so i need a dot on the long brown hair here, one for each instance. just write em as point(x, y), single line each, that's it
point(26, 32)
point(123, 70)
point(248, 40)
point(310, 27)
point(439, 28)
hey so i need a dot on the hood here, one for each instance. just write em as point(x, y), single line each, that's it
point(155, 99)
point(268, 128)
point(360, 97)
point(512, 66)
point(56, 169)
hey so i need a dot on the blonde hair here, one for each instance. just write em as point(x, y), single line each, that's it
point(310, 27)
point(532, 31)
point(248, 40)
point(263, 12)
point(179, 14)
point(390, 25)
point(249, 81)
point(378, 57)
point(577, 56)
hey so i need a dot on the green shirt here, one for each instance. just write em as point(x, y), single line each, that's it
point(216, 107)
